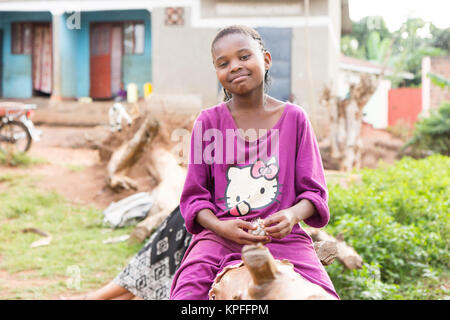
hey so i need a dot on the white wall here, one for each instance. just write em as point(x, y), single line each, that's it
point(377, 108)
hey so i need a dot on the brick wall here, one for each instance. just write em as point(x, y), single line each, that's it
point(440, 66)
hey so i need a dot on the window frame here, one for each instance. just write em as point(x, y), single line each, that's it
point(22, 38)
point(134, 23)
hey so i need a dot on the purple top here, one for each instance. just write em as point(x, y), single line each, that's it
point(252, 179)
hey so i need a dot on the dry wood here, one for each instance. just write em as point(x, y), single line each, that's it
point(128, 153)
point(326, 251)
point(346, 120)
point(165, 168)
point(261, 277)
point(345, 254)
point(260, 263)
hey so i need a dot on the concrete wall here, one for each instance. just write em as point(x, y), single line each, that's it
point(17, 68)
point(183, 72)
point(323, 70)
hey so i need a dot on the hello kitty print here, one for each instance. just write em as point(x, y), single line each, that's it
point(252, 187)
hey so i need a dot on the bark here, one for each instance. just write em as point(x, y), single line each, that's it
point(260, 263)
point(345, 122)
point(128, 153)
point(261, 277)
point(165, 168)
point(345, 254)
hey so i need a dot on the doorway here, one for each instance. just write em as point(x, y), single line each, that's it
point(105, 59)
point(41, 59)
point(279, 42)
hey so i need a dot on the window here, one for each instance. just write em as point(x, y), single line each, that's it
point(133, 37)
point(21, 38)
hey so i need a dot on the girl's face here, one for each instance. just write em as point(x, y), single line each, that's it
point(240, 63)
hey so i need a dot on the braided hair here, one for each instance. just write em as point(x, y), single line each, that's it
point(252, 33)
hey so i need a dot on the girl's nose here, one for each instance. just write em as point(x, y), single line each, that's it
point(235, 66)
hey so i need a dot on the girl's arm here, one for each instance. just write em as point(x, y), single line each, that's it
point(311, 202)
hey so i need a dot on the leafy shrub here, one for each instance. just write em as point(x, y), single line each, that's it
point(432, 134)
point(397, 219)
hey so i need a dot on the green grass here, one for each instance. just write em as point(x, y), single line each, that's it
point(77, 234)
point(75, 167)
point(21, 160)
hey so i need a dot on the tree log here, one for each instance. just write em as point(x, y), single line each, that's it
point(165, 168)
point(128, 153)
point(345, 254)
point(261, 277)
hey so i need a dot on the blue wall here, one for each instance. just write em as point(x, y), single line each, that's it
point(74, 54)
point(68, 39)
point(136, 68)
point(17, 71)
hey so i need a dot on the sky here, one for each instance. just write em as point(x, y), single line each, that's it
point(395, 12)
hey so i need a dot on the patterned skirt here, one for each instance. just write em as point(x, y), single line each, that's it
point(149, 273)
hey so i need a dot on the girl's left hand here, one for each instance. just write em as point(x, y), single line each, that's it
point(280, 224)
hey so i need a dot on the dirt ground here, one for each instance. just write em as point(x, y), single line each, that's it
point(72, 169)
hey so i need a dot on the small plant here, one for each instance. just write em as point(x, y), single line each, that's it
point(432, 134)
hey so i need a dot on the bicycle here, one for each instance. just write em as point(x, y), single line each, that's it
point(15, 133)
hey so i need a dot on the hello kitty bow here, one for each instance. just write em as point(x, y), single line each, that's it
point(260, 169)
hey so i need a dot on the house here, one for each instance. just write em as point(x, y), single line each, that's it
point(72, 49)
point(378, 111)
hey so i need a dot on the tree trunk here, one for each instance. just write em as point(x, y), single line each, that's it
point(345, 254)
point(128, 153)
point(164, 166)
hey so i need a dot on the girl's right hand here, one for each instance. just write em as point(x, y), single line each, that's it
point(234, 230)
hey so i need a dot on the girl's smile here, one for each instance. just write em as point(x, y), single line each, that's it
point(240, 63)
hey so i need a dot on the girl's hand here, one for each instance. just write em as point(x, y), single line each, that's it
point(234, 230)
point(280, 224)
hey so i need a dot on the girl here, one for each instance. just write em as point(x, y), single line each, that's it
point(225, 191)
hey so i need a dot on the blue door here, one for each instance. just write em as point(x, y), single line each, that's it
point(278, 42)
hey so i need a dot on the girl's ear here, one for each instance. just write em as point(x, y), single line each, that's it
point(267, 60)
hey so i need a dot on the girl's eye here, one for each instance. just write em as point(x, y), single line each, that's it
point(245, 57)
point(238, 199)
point(223, 64)
point(262, 190)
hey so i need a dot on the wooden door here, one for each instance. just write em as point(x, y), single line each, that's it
point(100, 61)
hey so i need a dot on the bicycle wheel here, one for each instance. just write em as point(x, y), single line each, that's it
point(14, 137)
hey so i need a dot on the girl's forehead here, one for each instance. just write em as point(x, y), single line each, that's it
point(233, 42)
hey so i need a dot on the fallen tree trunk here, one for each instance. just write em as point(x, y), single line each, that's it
point(345, 254)
point(261, 277)
point(128, 153)
point(165, 168)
